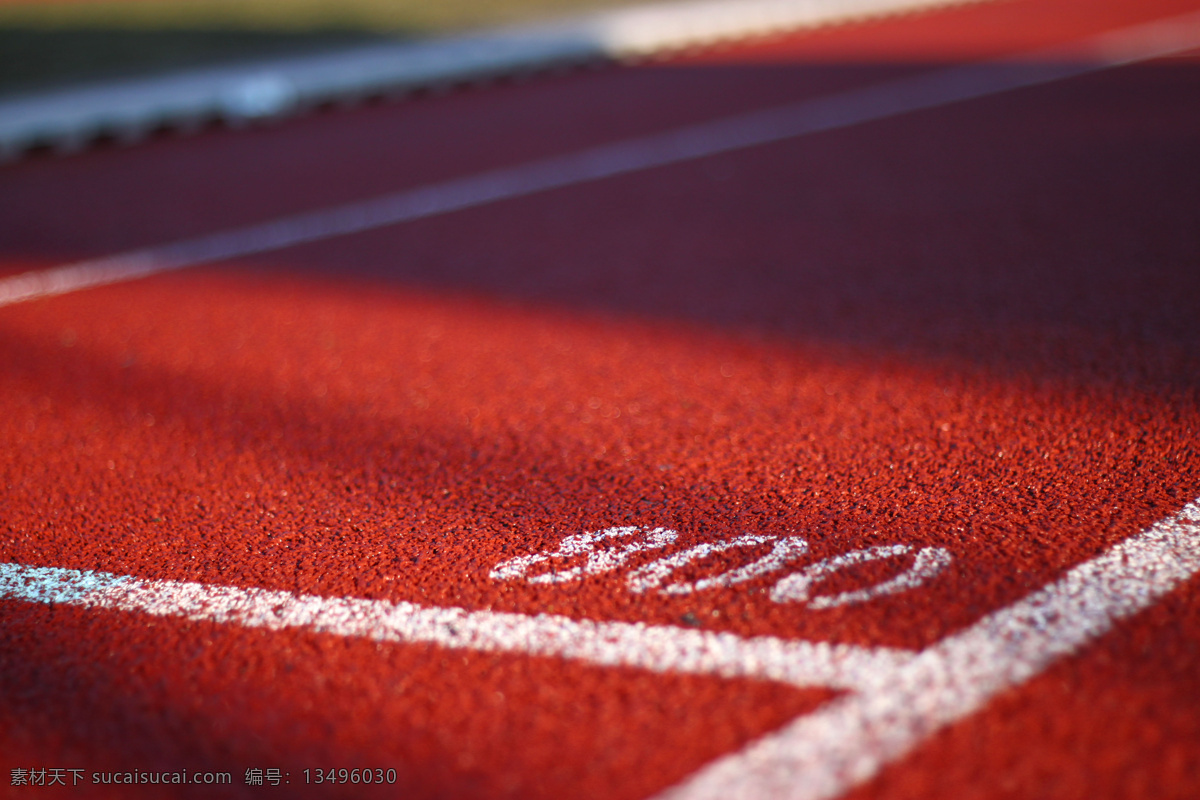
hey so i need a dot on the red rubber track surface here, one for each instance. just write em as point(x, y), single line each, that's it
point(972, 328)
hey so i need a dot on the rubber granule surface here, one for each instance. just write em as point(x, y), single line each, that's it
point(968, 331)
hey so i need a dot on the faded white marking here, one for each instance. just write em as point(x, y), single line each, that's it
point(598, 560)
point(658, 648)
point(652, 575)
point(928, 562)
point(930, 90)
point(824, 754)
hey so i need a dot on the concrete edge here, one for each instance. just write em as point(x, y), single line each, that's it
point(69, 119)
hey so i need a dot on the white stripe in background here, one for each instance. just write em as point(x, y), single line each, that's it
point(824, 754)
point(842, 110)
point(655, 648)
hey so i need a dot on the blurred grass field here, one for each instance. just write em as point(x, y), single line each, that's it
point(59, 42)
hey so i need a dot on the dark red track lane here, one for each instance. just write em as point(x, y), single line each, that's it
point(104, 202)
point(971, 328)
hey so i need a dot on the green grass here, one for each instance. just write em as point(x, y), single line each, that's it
point(47, 44)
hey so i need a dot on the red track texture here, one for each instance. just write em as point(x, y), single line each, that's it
point(973, 328)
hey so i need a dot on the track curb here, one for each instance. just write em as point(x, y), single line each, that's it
point(69, 119)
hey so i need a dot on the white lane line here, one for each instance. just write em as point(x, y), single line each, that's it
point(850, 740)
point(926, 91)
point(658, 648)
point(896, 698)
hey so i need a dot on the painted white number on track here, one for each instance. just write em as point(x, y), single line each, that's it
point(927, 564)
point(652, 576)
point(798, 587)
point(598, 561)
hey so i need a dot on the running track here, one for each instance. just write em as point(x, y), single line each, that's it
point(884, 425)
